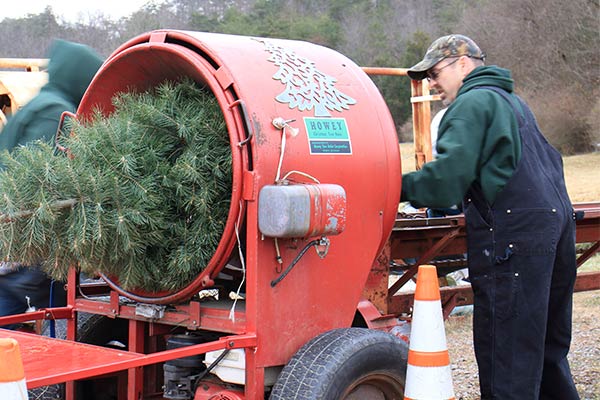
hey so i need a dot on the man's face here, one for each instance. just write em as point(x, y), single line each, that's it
point(446, 78)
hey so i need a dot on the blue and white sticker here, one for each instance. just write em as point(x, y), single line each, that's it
point(328, 135)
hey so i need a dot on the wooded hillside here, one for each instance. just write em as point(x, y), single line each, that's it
point(550, 45)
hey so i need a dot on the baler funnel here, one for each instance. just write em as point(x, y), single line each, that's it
point(345, 134)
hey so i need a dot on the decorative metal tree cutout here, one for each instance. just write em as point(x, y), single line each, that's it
point(305, 86)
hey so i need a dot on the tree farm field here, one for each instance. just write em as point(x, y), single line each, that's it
point(582, 175)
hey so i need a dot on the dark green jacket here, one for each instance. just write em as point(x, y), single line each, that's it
point(70, 71)
point(478, 142)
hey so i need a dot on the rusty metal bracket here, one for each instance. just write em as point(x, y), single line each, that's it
point(586, 255)
point(428, 256)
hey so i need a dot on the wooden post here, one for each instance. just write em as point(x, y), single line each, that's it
point(421, 107)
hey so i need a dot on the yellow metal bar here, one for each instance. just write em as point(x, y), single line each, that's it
point(29, 64)
point(420, 99)
point(385, 71)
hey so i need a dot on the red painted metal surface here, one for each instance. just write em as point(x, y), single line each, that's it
point(329, 210)
point(50, 314)
point(48, 361)
point(587, 281)
point(213, 316)
point(143, 64)
point(375, 290)
point(135, 375)
point(241, 68)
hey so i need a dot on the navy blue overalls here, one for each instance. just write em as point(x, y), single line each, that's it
point(522, 267)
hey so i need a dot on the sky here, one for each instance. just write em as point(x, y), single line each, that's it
point(71, 10)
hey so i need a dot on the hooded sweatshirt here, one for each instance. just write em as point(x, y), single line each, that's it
point(478, 143)
point(70, 71)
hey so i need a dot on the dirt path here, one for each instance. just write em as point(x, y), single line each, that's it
point(584, 355)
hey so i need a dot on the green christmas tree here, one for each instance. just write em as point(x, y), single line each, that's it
point(143, 194)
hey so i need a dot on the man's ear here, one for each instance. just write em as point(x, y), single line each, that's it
point(466, 65)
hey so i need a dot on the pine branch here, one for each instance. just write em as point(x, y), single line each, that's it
point(58, 205)
point(150, 187)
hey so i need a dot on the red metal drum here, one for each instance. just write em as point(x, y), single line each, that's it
point(292, 109)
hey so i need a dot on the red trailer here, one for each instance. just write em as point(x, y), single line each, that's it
point(311, 238)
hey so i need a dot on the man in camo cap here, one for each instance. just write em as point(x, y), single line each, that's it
point(445, 47)
point(519, 219)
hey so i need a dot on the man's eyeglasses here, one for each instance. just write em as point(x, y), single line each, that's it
point(433, 74)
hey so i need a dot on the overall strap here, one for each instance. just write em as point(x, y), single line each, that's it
point(510, 99)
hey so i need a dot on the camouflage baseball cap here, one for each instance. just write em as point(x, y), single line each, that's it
point(444, 47)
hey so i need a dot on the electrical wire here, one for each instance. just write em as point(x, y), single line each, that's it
point(278, 258)
point(301, 173)
point(315, 242)
point(239, 243)
point(210, 367)
point(283, 141)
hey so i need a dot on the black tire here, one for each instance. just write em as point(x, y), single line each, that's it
point(345, 364)
point(91, 329)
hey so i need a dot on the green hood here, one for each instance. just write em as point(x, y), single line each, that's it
point(488, 76)
point(71, 69)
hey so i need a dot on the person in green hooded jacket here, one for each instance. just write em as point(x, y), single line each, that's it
point(520, 222)
point(478, 139)
point(70, 70)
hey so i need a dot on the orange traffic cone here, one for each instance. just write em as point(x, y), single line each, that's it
point(12, 376)
point(428, 375)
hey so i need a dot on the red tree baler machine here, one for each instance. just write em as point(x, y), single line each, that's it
point(316, 185)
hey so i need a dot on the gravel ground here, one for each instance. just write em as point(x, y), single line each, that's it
point(584, 355)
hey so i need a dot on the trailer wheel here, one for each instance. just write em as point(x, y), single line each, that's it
point(345, 364)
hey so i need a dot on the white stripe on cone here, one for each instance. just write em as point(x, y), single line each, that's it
point(429, 383)
point(14, 390)
point(427, 330)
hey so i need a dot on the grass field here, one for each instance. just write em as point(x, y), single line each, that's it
point(582, 173)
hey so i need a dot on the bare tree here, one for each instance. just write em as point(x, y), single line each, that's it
point(30, 36)
point(551, 46)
